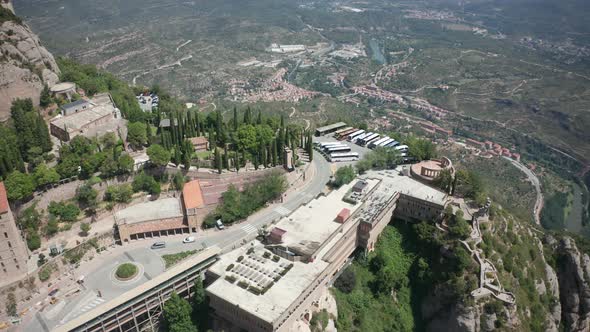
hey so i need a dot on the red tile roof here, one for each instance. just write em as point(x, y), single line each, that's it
point(192, 195)
point(199, 140)
point(3, 199)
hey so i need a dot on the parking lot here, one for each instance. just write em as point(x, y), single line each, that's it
point(361, 150)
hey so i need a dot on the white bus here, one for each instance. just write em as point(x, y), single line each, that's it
point(338, 149)
point(340, 157)
point(368, 139)
point(386, 142)
point(377, 142)
point(327, 144)
point(360, 137)
point(392, 144)
point(403, 148)
point(355, 134)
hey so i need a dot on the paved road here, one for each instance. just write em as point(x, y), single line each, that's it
point(536, 183)
point(99, 272)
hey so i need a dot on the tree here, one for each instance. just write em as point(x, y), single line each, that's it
point(52, 226)
point(11, 308)
point(45, 98)
point(19, 186)
point(344, 175)
point(158, 155)
point(246, 138)
point(84, 228)
point(119, 193)
point(87, 197)
point(144, 182)
point(236, 124)
point(346, 281)
point(177, 314)
point(200, 305)
point(33, 239)
point(44, 175)
point(108, 140)
point(137, 134)
point(444, 180)
point(218, 162)
point(125, 164)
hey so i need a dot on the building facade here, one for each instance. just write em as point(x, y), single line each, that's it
point(13, 252)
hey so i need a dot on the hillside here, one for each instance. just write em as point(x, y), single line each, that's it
point(25, 65)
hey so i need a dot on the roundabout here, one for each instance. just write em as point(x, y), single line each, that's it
point(127, 272)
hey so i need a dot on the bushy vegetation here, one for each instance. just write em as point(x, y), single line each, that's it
point(238, 205)
point(172, 259)
point(344, 175)
point(383, 291)
point(147, 183)
point(93, 81)
point(66, 212)
point(126, 270)
point(379, 158)
point(119, 193)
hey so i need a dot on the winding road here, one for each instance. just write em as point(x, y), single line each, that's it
point(536, 183)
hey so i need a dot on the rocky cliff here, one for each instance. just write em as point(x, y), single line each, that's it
point(25, 65)
point(573, 273)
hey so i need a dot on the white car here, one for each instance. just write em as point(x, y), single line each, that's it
point(189, 239)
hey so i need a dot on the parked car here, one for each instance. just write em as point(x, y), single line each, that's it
point(219, 224)
point(189, 239)
point(53, 292)
point(158, 245)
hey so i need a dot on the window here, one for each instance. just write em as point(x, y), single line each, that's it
point(6, 235)
point(9, 244)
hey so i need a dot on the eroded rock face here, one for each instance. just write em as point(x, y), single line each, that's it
point(25, 66)
point(445, 314)
point(573, 272)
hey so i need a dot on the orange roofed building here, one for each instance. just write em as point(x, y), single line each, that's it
point(195, 208)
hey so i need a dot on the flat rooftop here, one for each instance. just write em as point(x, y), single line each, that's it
point(79, 120)
point(332, 126)
point(270, 305)
point(308, 227)
point(160, 209)
point(397, 182)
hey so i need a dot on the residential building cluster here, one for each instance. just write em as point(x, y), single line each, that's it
point(277, 89)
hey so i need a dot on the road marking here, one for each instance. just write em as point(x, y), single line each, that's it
point(282, 210)
point(248, 228)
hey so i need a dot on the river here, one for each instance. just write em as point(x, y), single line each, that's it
point(377, 53)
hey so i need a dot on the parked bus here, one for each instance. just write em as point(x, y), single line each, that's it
point(392, 144)
point(403, 148)
point(360, 137)
point(377, 142)
point(368, 139)
point(340, 131)
point(338, 149)
point(339, 157)
point(355, 134)
point(343, 135)
point(386, 142)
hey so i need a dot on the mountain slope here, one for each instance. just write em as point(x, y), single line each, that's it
point(25, 65)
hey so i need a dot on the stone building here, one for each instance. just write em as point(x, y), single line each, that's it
point(99, 117)
point(13, 252)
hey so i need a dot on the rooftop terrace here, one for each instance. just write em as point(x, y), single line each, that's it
point(155, 210)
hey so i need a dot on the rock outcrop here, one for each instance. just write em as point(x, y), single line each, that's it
point(573, 272)
point(25, 65)
point(443, 313)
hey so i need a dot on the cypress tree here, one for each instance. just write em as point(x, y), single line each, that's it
point(247, 116)
point(259, 119)
point(274, 153)
point(148, 132)
point(218, 162)
point(235, 119)
point(198, 125)
point(226, 157)
point(263, 155)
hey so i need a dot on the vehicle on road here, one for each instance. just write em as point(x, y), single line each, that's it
point(53, 292)
point(219, 224)
point(158, 245)
point(189, 239)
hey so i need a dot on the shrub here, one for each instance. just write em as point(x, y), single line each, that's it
point(266, 254)
point(231, 279)
point(346, 281)
point(118, 193)
point(229, 267)
point(240, 258)
point(250, 250)
point(277, 278)
point(126, 270)
point(45, 272)
point(243, 284)
point(276, 258)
